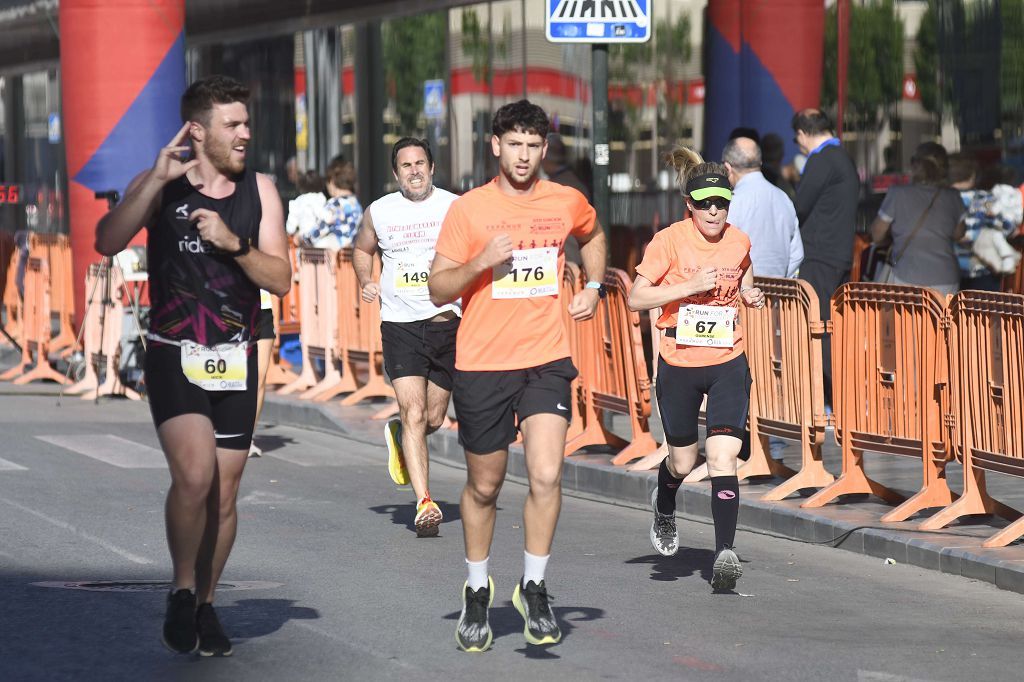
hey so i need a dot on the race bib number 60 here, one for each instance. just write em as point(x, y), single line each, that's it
point(528, 273)
point(706, 325)
point(220, 368)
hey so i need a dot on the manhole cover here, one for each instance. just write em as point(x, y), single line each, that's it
point(150, 585)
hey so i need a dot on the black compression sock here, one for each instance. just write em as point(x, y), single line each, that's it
point(725, 508)
point(667, 487)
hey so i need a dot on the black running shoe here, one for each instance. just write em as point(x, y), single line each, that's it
point(212, 640)
point(726, 570)
point(180, 622)
point(474, 630)
point(531, 601)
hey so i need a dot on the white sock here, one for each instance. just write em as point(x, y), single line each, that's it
point(533, 567)
point(477, 573)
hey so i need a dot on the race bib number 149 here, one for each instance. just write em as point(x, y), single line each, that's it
point(528, 273)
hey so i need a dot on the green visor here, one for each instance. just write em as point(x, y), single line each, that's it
point(709, 185)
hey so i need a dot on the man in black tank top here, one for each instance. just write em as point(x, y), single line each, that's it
point(215, 238)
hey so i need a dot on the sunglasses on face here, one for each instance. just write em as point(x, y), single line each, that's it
point(706, 204)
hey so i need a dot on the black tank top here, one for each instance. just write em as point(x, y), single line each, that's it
point(196, 292)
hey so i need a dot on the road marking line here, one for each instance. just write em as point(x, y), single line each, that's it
point(123, 553)
point(110, 449)
point(315, 456)
point(11, 466)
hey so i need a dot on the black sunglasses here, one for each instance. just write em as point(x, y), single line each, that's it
point(720, 203)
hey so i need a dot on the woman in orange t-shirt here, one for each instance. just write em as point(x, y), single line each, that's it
point(698, 271)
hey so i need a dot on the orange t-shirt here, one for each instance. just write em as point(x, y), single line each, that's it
point(673, 256)
point(506, 333)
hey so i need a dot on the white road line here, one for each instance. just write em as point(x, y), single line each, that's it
point(123, 553)
point(111, 449)
point(315, 456)
point(11, 466)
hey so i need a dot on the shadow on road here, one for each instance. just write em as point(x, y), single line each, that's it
point(405, 514)
point(250, 618)
point(688, 561)
point(268, 442)
point(506, 622)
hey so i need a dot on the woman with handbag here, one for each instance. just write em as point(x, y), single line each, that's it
point(924, 220)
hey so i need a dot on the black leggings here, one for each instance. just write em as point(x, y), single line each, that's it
point(681, 391)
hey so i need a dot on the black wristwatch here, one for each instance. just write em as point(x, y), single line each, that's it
point(601, 291)
point(243, 248)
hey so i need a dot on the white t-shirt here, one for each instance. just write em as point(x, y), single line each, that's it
point(406, 234)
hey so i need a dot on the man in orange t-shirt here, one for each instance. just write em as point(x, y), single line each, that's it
point(501, 248)
point(698, 271)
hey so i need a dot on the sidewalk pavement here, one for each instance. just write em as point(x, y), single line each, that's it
point(853, 526)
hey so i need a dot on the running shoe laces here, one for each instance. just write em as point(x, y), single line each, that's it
point(212, 640)
point(532, 601)
point(474, 630)
point(180, 622)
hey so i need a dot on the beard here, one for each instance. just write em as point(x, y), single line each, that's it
point(221, 159)
point(413, 194)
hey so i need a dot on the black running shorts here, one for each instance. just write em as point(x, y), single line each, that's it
point(681, 390)
point(489, 405)
point(233, 413)
point(420, 349)
point(264, 325)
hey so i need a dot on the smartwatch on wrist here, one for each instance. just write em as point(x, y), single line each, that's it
point(243, 248)
point(601, 291)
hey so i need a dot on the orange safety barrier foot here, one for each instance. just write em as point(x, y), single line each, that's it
point(852, 482)
point(651, 461)
point(1006, 535)
point(975, 500)
point(926, 498)
point(376, 387)
point(697, 474)
point(43, 371)
point(390, 410)
point(761, 463)
point(812, 475)
point(642, 445)
point(594, 434)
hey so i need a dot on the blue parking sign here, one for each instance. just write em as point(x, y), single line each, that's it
point(433, 99)
point(598, 21)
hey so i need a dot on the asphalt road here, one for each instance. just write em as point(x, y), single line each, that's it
point(329, 581)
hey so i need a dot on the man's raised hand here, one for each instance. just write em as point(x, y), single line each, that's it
point(169, 164)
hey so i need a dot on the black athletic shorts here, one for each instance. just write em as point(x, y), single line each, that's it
point(420, 349)
point(489, 405)
point(264, 325)
point(681, 390)
point(233, 413)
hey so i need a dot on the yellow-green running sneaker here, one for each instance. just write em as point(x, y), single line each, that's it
point(474, 631)
point(396, 463)
point(531, 601)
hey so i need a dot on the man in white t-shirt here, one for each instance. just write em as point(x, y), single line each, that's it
point(418, 337)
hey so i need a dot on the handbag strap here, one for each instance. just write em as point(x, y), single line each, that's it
point(917, 227)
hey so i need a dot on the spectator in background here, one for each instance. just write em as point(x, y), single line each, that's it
point(763, 212)
point(749, 133)
point(982, 213)
point(772, 151)
point(925, 219)
point(339, 218)
point(826, 204)
point(304, 210)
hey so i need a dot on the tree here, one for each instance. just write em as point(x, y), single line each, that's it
point(414, 51)
point(875, 63)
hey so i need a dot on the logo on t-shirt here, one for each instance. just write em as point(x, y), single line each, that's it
point(193, 244)
point(182, 212)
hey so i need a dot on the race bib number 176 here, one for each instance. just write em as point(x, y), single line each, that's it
point(528, 273)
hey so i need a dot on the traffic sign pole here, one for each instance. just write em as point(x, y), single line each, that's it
point(599, 133)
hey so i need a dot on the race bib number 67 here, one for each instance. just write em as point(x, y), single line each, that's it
point(706, 325)
point(528, 273)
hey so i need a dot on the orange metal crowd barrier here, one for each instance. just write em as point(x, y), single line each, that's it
point(279, 372)
point(288, 308)
point(571, 284)
point(615, 374)
point(986, 416)
point(36, 329)
point(55, 249)
point(319, 336)
point(101, 334)
point(11, 299)
point(887, 343)
point(787, 399)
point(360, 342)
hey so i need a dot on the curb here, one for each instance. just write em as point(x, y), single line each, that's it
point(851, 527)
